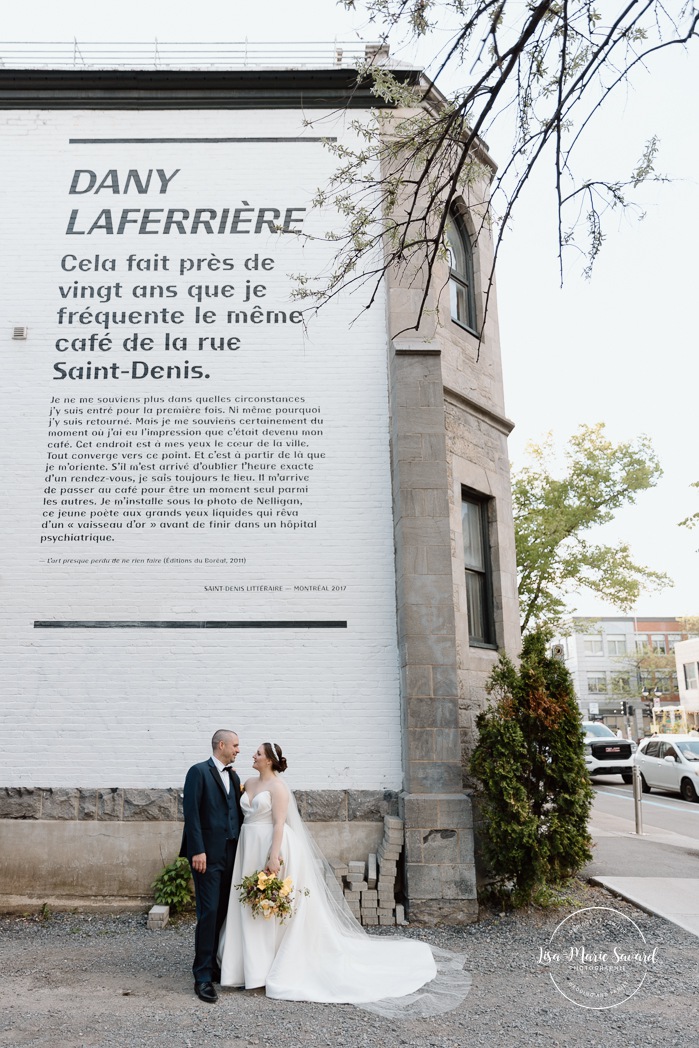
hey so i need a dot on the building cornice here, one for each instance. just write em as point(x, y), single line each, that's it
point(190, 89)
point(500, 422)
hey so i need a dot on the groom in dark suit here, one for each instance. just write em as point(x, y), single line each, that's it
point(212, 821)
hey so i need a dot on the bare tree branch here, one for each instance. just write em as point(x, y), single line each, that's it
point(548, 67)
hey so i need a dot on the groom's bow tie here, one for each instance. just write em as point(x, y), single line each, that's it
point(228, 768)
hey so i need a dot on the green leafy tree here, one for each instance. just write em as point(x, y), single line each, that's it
point(690, 625)
point(555, 508)
point(539, 75)
point(645, 671)
point(693, 520)
point(529, 763)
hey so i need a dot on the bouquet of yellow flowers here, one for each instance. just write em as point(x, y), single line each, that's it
point(267, 895)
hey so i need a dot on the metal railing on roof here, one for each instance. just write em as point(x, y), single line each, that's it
point(162, 54)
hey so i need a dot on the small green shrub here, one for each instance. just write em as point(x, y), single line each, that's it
point(173, 886)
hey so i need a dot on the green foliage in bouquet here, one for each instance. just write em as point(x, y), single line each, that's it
point(535, 787)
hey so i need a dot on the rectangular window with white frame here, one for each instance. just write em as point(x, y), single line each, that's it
point(597, 683)
point(593, 645)
point(691, 679)
point(616, 644)
point(478, 568)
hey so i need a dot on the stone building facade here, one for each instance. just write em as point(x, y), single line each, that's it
point(434, 588)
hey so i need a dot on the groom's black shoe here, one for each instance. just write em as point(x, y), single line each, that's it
point(205, 992)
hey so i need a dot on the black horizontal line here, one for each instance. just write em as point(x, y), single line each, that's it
point(196, 141)
point(201, 624)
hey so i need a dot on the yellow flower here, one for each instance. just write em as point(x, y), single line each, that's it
point(287, 886)
point(262, 879)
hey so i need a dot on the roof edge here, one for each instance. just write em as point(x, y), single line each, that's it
point(191, 89)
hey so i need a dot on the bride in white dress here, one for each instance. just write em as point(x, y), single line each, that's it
point(321, 953)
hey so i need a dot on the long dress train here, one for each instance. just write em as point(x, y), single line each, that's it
point(320, 953)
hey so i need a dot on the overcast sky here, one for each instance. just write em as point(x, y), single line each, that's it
point(620, 348)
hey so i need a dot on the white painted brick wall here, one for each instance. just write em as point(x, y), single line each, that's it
point(136, 707)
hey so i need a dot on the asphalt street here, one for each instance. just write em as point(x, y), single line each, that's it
point(661, 811)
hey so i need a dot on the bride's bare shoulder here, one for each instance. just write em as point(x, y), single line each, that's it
point(279, 791)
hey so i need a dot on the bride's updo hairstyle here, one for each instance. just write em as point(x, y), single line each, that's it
point(274, 752)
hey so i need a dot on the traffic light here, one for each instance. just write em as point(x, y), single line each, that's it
point(624, 709)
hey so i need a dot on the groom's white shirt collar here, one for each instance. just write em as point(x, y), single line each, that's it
point(225, 779)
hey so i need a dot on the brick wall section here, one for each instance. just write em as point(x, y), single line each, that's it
point(333, 695)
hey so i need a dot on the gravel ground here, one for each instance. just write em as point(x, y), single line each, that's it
point(76, 981)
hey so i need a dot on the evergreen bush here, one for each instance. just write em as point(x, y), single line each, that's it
point(529, 762)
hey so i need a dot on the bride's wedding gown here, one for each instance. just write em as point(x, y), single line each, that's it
point(320, 953)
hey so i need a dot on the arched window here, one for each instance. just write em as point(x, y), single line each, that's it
point(460, 250)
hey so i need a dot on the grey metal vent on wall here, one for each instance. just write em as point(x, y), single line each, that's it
point(19, 332)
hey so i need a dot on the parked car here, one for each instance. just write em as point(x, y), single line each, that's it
point(605, 754)
point(670, 762)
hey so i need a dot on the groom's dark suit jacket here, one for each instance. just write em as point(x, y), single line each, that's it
point(211, 816)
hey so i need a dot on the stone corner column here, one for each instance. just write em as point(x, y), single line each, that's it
point(440, 869)
point(440, 875)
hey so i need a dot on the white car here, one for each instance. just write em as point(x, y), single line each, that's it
point(670, 762)
point(605, 754)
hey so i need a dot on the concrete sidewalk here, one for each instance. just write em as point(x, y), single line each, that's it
point(657, 871)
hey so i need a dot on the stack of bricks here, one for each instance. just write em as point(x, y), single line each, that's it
point(335, 879)
point(370, 896)
point(355, 884)
point(370, 887)
point(158, 917)
point(387, 856)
